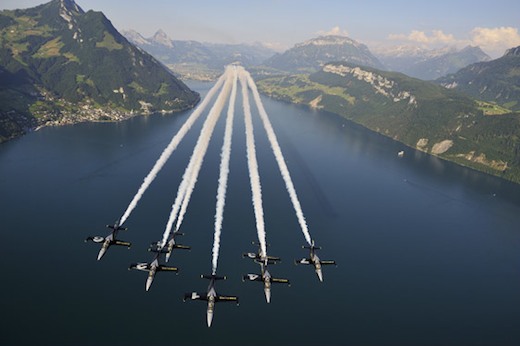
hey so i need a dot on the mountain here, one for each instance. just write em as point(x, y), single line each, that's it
point(134, 37)
point(161, 38)
point(60, 64)
point(429, 64)
point(418, 113)
point(310, 55)
point(168, 51)
point(196, 60)
point(16, 92)
point(496, 81)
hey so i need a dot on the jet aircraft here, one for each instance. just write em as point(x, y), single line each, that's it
point(210, 296)
point(266, 278)
point(152, 267)
point(314, 260)
point(258, 258)
point(110, 239)
point(169, 246)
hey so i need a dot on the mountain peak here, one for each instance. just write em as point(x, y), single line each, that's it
point(162, 38)
point(314, 53)
point(513, 52)
point(67, 46)
point(135, 37)
point(329, 40)
point(70, 6)
point(68, 10)
point(475, 50)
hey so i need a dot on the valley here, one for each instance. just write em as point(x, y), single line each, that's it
point(51, 76)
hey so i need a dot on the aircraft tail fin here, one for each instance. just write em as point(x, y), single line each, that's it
point(306, 261)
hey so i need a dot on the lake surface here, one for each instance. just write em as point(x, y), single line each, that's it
point(428, 252)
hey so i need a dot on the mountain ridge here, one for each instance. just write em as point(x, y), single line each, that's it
point(191, 59)
point(62, 62)
point(430, 64)
point(496, 81)
point(310, 55)
point(420, 114)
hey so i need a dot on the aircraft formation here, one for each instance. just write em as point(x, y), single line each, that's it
point(227, 86)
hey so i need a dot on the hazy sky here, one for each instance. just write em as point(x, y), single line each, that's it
point(493, 25)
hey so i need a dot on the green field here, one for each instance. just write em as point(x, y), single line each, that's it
point(491, 108)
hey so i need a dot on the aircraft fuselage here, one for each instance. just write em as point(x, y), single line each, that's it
point(317, 265)
point(151, 274)
point(266, 278)
point(211, 304)
point(106, 244)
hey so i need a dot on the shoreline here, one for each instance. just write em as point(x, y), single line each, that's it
point(489, 171)
point(84, 114)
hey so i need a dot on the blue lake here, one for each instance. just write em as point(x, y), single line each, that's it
point(428, 252)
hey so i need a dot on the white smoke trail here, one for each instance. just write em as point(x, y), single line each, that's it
point(224, 173)
point(254, 177)
point(279, 158)
point(192, 170)
point(202, 151)
point(170, 149)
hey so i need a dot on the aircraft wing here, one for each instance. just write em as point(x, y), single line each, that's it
point(227, 299)
point(195, 296)
point(121, 243)
point(280, 281)
point(143, 266)
point(328, 263)
point(184, 247)
point(167, 268)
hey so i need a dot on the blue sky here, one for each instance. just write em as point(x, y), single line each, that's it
point(493, 25)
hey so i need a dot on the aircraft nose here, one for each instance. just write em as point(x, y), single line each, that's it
point(101, 253)
point(320, 275)
point(267, 295)
point(209, 318)
point(149, 283)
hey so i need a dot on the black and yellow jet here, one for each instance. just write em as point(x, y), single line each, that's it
point(110, 239)
point(210, 296)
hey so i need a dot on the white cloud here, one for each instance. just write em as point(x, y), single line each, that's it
point(276, 46)
point(336, 31)
point(495, 40)
point(435, 37)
